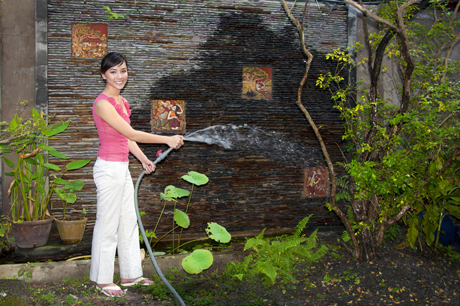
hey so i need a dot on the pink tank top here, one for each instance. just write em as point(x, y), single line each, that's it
point(113, 146)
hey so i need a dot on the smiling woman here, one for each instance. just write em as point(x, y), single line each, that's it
point(116, 76)
point(116, 223)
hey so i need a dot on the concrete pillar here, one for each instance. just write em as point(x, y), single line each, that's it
point(17, 28)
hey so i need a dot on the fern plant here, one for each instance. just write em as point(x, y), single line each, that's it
point(277, 257)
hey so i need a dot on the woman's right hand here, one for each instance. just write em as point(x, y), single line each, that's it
point(176, 141)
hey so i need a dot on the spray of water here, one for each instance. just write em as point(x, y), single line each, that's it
point(258, 141)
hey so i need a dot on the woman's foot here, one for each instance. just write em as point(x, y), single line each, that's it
point(111, 290)
point(136, 281)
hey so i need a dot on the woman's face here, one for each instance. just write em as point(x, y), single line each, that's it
point(117, 76)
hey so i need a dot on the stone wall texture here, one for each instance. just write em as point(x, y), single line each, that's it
point(195, 51)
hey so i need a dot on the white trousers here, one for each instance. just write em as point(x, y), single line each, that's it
point(116, 224)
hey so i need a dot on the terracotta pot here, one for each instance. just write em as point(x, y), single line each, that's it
point(31, 234)
point(71, 231)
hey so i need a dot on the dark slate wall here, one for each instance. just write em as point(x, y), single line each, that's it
point(195, 50)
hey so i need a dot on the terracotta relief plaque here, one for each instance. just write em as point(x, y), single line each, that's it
point(168, 116)
point(89, 40)
point(257, 82)
point(316, 182)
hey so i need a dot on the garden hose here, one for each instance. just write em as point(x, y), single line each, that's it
point(160, 157)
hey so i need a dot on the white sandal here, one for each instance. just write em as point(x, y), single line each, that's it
point(138, 281)
point(114, 288)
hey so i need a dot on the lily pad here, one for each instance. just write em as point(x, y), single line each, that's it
point(196, 178)
point(181, 218)
point(198, 261)
point(171, 193)
point(218, 233)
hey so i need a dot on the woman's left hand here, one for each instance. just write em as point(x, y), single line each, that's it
point(148, 166)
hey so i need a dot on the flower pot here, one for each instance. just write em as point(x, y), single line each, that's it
point(71, 231)
point(31, 234)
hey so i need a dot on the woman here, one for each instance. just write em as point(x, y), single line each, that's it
point(116, 222)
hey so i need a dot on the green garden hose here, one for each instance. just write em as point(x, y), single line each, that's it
point(141, 227)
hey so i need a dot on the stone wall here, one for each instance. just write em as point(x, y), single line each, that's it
point(195, 51)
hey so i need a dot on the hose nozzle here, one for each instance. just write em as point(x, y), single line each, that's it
point(162, 155)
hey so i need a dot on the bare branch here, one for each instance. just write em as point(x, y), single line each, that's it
point(372, 15)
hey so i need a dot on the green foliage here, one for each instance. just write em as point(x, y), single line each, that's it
point(200, 259)
point(392, 232)
point(26, 272)
point(181, 218)
point(5, 229)
point(277, 257)
point(111, 14)
point(442, 198)
point(402, 153)
point(347, 275)
point(27, 142)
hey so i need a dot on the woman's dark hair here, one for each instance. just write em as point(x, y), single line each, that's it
point(112, 59)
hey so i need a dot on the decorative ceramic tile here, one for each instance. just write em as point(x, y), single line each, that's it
point(89, 40)
point(257, 83)
point(168, 116)
point(316, 182)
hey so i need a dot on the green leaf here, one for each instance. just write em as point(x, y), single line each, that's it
point(454, 210)
point(218, 233)
point(75, 185)
point(66, 197)
point(198, 261)
point(196, 178)
point(14, 123)
point(181, 218)
point(45, 147)
point(267, 269)
point(77, 164)
point(8, 162)
point(59, 129)
point(57, 154)
point(412, 231)
point(60, 181)
point(171, 193)
point(52, 166)
point(31, 160)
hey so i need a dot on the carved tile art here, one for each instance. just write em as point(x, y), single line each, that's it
point(168, 116)
point(316, 182)
point(257, 83)
point(89, 40)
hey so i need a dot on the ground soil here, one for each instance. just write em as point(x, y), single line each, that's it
point(399, 276)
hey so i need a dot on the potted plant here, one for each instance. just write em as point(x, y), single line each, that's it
point(26, 142)
point(70, 230)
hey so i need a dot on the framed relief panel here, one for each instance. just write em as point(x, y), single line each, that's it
point(257, 83)
point(316, 182)
point(168, 116)
point(89, 40)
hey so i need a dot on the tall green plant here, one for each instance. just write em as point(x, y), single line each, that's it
point(172, 194)
point(26, 141)
point(200, 259)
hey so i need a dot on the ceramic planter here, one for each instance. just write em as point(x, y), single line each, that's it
point(71, 231)
point(31, 234)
